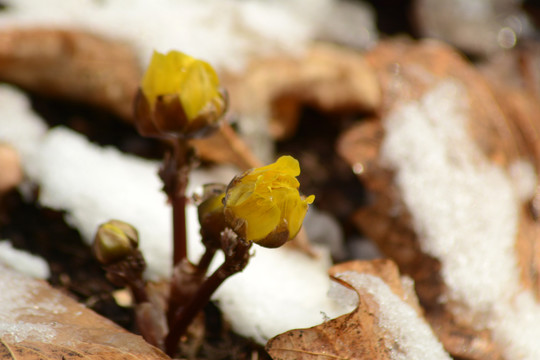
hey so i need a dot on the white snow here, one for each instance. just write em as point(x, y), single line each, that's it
point(225, 32)
point(278, 291)
point(407, 335)
point(97, 184)
point(22, 261)
point(462, 205)
point(465, 211)
point(19, 126)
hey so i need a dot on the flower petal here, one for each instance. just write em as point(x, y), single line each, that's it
point(198, 87)
point(261, 217)
point(263, 205)
point(284, 165)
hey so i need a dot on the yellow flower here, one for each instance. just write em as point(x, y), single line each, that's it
point(179, 95)
point(263, 205)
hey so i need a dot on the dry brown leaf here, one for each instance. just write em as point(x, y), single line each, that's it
point(358, 335)
point(388, 271)
point(225, 146)
point(329, 78)
point(72, 65)
point(407, 69)
point(38, 322)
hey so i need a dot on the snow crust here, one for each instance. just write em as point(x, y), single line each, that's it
point(18, 304)
point(465, 211)
point(407, 335)
point(225, 32)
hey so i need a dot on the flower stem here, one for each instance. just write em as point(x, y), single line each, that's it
point(185, 315)
point(179, 227)
point(175, 173)
point(206, 259)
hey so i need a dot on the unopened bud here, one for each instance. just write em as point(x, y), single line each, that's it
point(179, 96)
point(210, 211)
point(114, 241)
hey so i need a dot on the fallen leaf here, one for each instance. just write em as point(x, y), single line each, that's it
point(38, 322)
point(226, 146)
point(71, 64)
point(329, 78)
point(374, 330)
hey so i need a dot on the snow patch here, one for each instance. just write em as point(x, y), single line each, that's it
point(465, 211)
point(464, 208)
point(226, 33)
point(19, 126)
point(23, 262)
point(407, 335)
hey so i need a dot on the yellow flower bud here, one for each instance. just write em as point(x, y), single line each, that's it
point(179, 96)
point(114, 240)
point(263, 205)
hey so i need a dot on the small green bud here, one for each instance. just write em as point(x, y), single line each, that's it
point(210, 211)
point(114, 241)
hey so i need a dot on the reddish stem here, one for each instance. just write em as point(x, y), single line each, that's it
point(206, 259)
point(179, 227)
point(185, 315)
point(174, 173)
